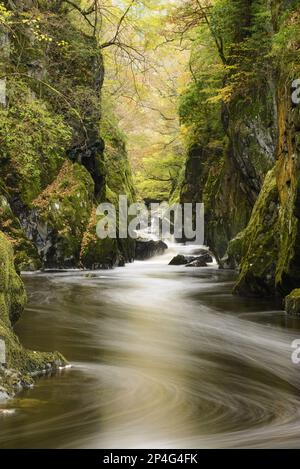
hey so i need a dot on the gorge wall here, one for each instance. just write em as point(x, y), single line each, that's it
point(61, 152)
point(243, 157)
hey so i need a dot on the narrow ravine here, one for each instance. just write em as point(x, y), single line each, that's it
point(162, 357)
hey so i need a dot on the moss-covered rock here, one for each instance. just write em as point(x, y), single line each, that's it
point(21, 364)
point(227, 206)
point(288, 183)
point(234, 253)
point(60, 215)
point(118, 175)
point(270, 263)
point(13, 296)
point(35, 150)
point(26, 254)
point(54, 116)
point(97, 253)
point(292, 302)
point(252, 190)
point(257, 246)
point(106, 253)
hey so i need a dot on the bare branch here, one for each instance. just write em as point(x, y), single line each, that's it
point(115, 39)
point(122, 19)
point(84, 13)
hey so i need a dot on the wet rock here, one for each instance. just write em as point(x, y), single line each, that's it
point(180, 260)
point(202, 258)
point(203, 252)
point(199, 262)
point(206, 256)
point(145, 249)
point(292, 303)
point(60, 215)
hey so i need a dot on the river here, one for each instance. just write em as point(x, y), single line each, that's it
point(162, 357)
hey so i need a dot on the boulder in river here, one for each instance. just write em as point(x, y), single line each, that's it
point(292, 303)
point(180, 260)
point(193, 261)
point(198, 262)
point(199, 252)
point(145, 249)
point(204, 255)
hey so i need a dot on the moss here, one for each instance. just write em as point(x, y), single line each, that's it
point(98, 253)
point(270, 250)
point(63, 211)
point(227, 206)
point(33, 141)
point(258, 243)
point(20, 363)
point(116, 162)
point(288, 265)
point(53, 115)
point(234, 251)
point(292, 302)
point(26, 254)
point(106, 253)
point(13, 297)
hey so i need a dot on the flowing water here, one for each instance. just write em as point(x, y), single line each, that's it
point(162, 357)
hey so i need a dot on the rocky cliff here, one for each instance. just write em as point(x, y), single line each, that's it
point(59, 158)
point(243, 163)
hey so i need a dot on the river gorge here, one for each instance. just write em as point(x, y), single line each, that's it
point(164, 103)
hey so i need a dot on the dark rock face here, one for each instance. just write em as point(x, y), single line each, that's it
point(91, 159)
point(146, 249)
